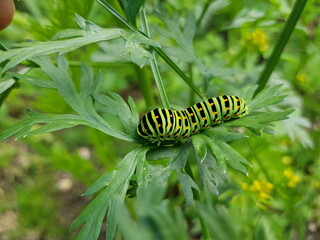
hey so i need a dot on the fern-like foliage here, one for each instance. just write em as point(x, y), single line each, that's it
point(81, 102)
point(210, 148)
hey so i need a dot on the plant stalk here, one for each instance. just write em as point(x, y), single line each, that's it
point(265, 172)
point(168, 60)
point(154, 64)
point(145, 86)
point(281, 43)
point(205, 231)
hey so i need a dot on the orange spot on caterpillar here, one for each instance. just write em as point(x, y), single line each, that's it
point(200, 109)
point(157, 116)
point(194, 124)
point(191, 114)
point(227, 108)
point(159, 125)
point(203, 118)
point(214, 112)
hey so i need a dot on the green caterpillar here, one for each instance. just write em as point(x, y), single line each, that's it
point(166, 125)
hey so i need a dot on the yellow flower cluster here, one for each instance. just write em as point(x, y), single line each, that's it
point(316, 184)
point(262, 188)
point(301, 78)
point(257, 39)
point(293, 179)
point(286, 160)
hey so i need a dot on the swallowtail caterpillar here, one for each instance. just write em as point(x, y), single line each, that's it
point(166, 125)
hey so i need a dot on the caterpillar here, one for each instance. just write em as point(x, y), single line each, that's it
point(166, 125)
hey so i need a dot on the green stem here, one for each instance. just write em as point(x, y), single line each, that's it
point(258, 161)
point(205, 231)
point(102, 64)
point(153, 63)
point(168, 60)
point(282, 41)
point(115, 13)
point(145, 86)
point(191, 98)
point(204, 10)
